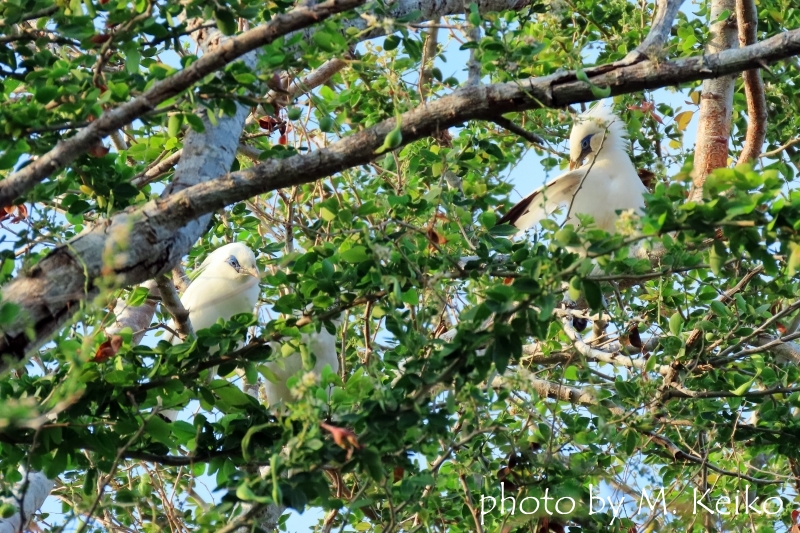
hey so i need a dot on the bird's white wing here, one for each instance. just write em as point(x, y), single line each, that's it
point(544, 201)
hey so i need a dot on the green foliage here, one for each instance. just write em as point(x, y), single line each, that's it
point(516, 395)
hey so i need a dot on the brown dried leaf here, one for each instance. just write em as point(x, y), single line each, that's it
point(98, 150)
point(108, 349)
point(100, 38)
point(633, 337)
point(647, 178)
point(344, 438)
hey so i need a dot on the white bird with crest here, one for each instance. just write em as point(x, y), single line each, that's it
point(226, 285)
point(601, 180)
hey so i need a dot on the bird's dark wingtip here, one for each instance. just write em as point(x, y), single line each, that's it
point(519, 209)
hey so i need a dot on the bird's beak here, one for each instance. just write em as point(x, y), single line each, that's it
point(573, 164)
point(253, 273)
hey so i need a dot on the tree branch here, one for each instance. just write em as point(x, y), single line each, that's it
point(716, 103)
point(28, 498)
point(653, 45)
point(747, 20)
point(20, 182)
point(172, 302)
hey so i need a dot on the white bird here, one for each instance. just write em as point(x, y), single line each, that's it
point(226, 285)
point(322, 344)
point(601, 180)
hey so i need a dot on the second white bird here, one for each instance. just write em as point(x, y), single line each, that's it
point(601, 181)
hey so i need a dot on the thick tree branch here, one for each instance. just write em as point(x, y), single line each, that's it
point(716, 103)
point(161, 231)
point(653, 45)
point(296, 20)
point(20, 182)
point(28, 497)
point(747, 20)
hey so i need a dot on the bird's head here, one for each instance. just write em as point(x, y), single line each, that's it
point(599, 129)
point(234, 261)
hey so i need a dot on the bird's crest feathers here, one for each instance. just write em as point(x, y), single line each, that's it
point(599, 119)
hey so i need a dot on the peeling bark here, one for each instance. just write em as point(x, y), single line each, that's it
point(28, 498)
point(747, 20)
point(716, 103)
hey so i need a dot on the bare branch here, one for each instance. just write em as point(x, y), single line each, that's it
point(773, 153)
point(136, 318)
point(154, 171)
point(529, 136)
point(653, 45)
point(173, 304)
point(28, 498)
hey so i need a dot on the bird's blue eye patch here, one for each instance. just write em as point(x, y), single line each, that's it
point(232, 261)
point(585, 142)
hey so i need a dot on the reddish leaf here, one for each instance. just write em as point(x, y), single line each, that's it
point(344, 438)
point(282, 140)
point(399, 472)
point(98, 150)
point(647, 178)
point(108, 349)
point(633, 337)
point(21, 213)
point(781, 328)
point(272, 124)
point(434, 237)
point(100, 38)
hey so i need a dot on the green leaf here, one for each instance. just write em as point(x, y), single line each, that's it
point(574, 291)
point(591, 289)
point(372, 460)
point(8, 312)
point(391, 42)
point(675, 323)
point(159, 430)
point(245, 493)
point(195, 122)
point(7, 510)
point(631, 442)
point(225, 20)
point(717, 255)
point(46, 94)
point(138, 296)
point(598, 92)
point(356, 254)
point(174, 125)
point(323, 40)
point(394, 138)
point(230, 394)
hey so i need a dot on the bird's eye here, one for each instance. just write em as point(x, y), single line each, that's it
point(232, 261)
point(585, 142)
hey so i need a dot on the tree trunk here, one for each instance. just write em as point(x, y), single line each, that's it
point(716, 102)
